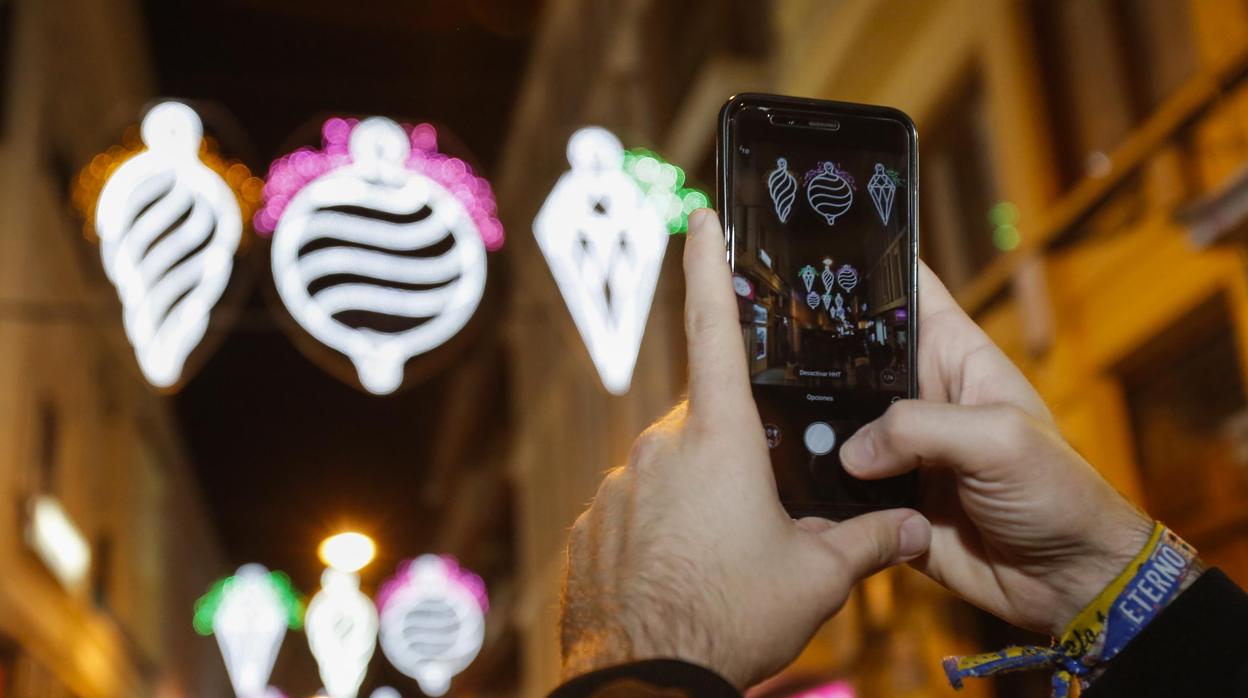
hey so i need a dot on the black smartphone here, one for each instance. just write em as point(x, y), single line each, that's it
point(819, 202)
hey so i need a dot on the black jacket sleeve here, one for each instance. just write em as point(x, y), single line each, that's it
point(1198, 646)
point(654, 678)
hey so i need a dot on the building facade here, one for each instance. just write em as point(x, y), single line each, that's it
point(105, 544)
point(1083, 186)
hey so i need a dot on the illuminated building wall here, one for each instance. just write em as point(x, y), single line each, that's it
point(78, 425)
point(1114, 133)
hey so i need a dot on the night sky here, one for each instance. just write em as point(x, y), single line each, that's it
point(286, 452)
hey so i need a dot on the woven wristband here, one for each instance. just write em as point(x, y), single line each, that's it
point(1165, 567)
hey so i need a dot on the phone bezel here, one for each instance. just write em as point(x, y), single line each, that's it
point(839, 112)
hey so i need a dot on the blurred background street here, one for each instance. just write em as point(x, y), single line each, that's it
point(1084, 195)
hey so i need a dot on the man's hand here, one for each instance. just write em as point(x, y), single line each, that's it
point(686, 551)
point(1023, 527)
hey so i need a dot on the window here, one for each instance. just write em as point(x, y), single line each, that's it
point(1185, 396)
point(48, 435)
point(958, 189)
point(1107, 64)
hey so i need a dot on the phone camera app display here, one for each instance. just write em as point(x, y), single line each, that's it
point(822, 263)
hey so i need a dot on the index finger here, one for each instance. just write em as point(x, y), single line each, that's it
point(719, 388)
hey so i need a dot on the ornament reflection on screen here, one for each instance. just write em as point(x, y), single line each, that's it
point(847, 277)
point(807, 275)
point(341, 625)
point(379, 243)
point(782, 186)
point(829, 281)
point(883, 190)
point(829, 191)
point(432, 620)
point(249, 613)
point(168, 226)
point(604, 244)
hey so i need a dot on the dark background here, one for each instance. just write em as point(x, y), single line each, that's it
point(285, 452)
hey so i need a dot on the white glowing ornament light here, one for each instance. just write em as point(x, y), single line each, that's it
point(381, 254)
point(249, 614)
point(169, 227)
point(341, 625)
point(782, 186)
point(604, 244)
point(830, 191)
point(432, 620)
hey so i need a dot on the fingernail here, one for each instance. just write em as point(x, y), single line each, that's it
point(697, 219)
point(858, 451)
point(916, 535)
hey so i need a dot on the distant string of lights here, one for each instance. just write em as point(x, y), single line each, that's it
point(429, 619)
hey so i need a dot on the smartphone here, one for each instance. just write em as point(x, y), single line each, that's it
point(819, 202)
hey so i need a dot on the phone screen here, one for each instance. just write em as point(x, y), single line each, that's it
point(821, 231)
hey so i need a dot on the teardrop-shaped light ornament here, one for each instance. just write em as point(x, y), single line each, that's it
point(379, 243)
point(782, 186)
point(168, 227)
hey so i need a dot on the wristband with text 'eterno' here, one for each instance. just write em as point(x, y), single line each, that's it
point(1160, 571)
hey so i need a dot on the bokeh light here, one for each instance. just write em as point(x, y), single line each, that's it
point(347, 552)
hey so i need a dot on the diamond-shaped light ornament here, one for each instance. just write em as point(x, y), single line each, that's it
point(249, 614)
point(883, 190)
point(603, 231)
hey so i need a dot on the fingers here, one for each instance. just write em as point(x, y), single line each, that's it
point(934, 298)
point(866, 544)
point(972, 440)
point(718, 378)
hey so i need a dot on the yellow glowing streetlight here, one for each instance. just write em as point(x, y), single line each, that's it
point(347, 552)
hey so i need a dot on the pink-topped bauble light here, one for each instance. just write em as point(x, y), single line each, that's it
point(290, 173)
point(379, 243)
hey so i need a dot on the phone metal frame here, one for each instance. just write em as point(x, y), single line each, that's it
point(838, 111)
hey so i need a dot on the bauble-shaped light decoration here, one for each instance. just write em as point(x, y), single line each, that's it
point(379, 243)
point(432, 620)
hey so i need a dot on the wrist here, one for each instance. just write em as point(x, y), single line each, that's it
point(1113, 542)
point(593, 651)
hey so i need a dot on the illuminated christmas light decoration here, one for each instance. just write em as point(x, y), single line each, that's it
point(432, 620)
point(341, 625)
point(830, 191)
point(807, 274)
point(384, 692)
point(883, 190)
point(603, 231)
point(847, 277)
point(168, 212)
point(782, 186)
point(663, 185)
point(836, 689)
point(829, 281)
point(347, 552)
point(249, 614)
point(379, 243)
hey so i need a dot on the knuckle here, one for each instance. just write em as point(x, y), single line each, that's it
point(646, 448)
point(1015, 428)
point(896, 424)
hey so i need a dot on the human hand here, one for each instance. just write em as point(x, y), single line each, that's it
point(686, 551)
point(1023, 526)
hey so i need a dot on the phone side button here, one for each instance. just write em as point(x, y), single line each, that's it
point(819, 438)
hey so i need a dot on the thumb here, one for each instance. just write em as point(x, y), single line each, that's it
point(866, 544)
